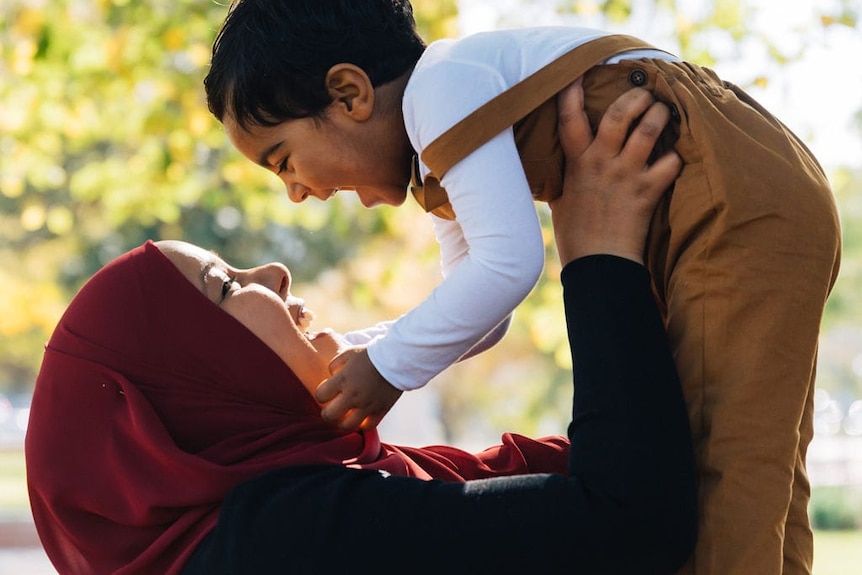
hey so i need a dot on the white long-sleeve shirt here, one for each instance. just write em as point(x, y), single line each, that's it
point(493, 253)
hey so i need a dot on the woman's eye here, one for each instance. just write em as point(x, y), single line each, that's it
point(225, 287)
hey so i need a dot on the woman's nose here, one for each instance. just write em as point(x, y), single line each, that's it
point(273, 276)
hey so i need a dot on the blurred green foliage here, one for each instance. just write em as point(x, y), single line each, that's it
point(845, 303)
point(836, 508)
point(106, 141)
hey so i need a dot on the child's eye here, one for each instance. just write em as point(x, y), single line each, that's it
point(282, 166)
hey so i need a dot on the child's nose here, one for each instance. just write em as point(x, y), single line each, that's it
point(297, 192)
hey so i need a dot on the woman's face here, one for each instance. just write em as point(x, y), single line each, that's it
point(260, 299)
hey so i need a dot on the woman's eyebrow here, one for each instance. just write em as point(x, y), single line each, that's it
point(213, 260)
point(205, 270)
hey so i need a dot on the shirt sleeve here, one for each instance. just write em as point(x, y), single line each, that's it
point(364, 336)
point(492, 257)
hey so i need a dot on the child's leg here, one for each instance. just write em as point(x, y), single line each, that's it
point(798, 538)
point(743, 254)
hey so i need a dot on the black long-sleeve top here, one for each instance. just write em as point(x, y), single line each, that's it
point(628, 505)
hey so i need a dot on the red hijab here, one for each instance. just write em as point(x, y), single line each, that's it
point(152, 403)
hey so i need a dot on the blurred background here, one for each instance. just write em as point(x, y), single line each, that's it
point(106, 141)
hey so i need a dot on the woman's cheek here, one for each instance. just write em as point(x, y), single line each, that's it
point(303, 357)
point(271, 326)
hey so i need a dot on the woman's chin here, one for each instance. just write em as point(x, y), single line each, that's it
point(312, 335)
point(327, 342)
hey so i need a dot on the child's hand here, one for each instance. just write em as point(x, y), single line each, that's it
point(610, 191)
point(356, 396)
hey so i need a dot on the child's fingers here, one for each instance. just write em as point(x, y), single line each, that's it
point(352, 420)
point(332, 386)
point(370, 422)
point(340, 360)
point(335, 409)
point(337, 406)
point(573, 124)
point(618, 118)
point(328, 389)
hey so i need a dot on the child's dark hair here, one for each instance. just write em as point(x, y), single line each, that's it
point(270, 58)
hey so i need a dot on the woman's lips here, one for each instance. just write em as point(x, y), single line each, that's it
point(304, 318)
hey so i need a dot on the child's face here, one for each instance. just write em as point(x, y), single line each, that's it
point(317, 158)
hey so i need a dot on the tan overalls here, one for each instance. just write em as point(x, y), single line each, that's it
point(743, 252)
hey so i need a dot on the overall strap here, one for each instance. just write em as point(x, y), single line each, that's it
point(509, 107)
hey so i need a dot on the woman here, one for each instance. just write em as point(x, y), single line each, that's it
point(173, 427)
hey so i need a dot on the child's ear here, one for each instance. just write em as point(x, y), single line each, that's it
point(351, 91)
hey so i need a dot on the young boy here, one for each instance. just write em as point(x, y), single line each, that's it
point(743, 250)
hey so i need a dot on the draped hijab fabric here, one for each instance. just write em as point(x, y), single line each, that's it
point(152, 404)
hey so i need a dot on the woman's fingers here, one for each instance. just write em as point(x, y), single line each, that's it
point(573, 124)
point(623, 113)
point(611, 187)
point(630, 130)
point(643, 138)
point(661, 174)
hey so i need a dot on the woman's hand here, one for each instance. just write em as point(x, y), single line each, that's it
point(609, 190)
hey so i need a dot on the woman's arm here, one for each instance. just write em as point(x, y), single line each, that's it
point(628, 505)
